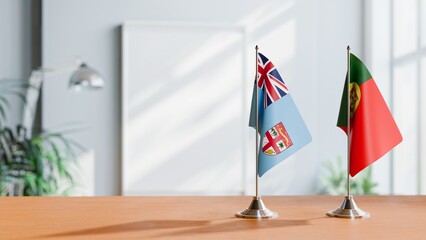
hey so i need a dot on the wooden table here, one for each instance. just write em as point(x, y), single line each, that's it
point(301, 217)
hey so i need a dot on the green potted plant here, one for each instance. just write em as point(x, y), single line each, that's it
point(32, 166)
point(334, 179)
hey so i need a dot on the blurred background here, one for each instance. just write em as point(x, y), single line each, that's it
point(172, 117)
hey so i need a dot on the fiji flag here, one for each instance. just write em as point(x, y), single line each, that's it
point(281, 127)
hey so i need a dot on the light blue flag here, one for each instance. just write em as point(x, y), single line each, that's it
point(281, 127)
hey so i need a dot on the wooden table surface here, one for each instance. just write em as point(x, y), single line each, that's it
point(300, 217)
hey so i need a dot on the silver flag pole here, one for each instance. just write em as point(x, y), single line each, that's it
point(348, 208)
point(257, 208)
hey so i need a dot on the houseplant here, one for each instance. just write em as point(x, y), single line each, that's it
point(334, 179)
point(32, 165)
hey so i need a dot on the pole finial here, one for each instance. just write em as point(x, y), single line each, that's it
point(348, 48)
point(257, 48)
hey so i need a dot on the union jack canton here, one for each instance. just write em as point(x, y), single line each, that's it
point(270, 81)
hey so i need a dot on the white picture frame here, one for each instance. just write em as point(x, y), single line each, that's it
point(183, 109)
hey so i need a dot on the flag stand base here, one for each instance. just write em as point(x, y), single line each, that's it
point(348, 209)
point(257, 209)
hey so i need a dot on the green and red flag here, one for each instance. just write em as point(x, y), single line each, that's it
point(373, 129)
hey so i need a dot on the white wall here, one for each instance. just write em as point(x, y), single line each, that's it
point(15, 47)
point(306, 40)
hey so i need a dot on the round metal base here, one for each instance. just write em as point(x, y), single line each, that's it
point(257, 209)
point(348, 209)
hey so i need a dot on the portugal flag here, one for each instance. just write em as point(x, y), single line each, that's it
point(373, 130)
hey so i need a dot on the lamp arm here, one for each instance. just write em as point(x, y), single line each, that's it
point(33, 94)
point(32, 97)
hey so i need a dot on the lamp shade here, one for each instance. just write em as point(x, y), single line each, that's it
point(86, 77)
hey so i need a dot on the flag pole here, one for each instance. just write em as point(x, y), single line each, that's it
point(257, 208)
point(348, 184)
point(257, 125)
point(348, 208)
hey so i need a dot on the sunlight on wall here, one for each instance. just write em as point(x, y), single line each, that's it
point(405, 13)
point(395, 50)
point(406, 99)
point(405, 114)
point(206, 50)
point(189, 92)
point(266, 13)
point(276, 37)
